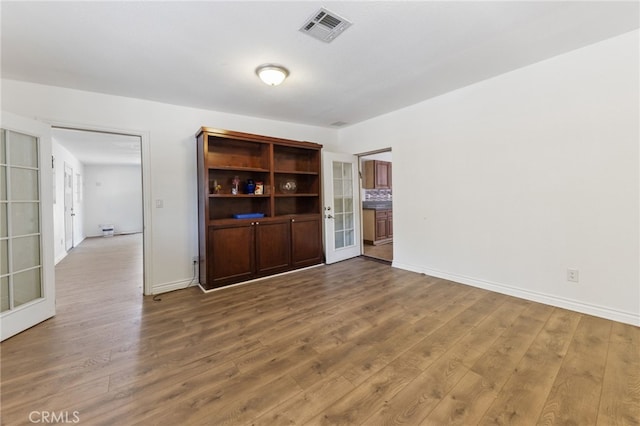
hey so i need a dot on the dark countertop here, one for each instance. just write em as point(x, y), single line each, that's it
point(377, 205)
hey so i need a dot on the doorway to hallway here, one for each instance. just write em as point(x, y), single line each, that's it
point(100, 195)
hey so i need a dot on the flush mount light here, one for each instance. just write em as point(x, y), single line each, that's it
point(271, 74)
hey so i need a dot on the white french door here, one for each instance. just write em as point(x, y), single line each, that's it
point(27, 287)
point(341, 198)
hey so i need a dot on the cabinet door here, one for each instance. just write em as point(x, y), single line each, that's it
point(381, 225)
point(382, 174)
point(273, 253)
point(306, 241)
point(390, 224)
point(368, 226)
point(231, 254)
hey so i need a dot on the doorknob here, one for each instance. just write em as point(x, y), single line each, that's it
point(328, 216)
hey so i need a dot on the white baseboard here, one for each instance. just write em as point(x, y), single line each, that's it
point(547, 299)
point(65, 253)
point(59, 258)
point(173, 285)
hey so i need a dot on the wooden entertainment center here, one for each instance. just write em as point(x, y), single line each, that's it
point(271, 227)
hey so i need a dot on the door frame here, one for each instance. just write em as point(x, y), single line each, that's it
point(145, 162)
point(43, 308)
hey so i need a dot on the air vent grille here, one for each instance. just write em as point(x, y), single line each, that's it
point(325, 25)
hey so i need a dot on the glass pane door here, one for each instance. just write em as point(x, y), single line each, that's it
point(20, 231)
point(343, 204)
point(341, 199)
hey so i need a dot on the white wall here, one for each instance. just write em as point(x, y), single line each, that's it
point(112, 195)
point(62, 156)
point(507, 183)
point(169, 131)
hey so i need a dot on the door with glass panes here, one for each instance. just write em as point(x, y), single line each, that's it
point(26, 225)
point(341, 198)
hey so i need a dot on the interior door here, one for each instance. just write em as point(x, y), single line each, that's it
point(27, 285)
point(341, 198)
point(68, 207)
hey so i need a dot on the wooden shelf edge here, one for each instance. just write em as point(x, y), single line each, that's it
point(238, 196)
point(239, 169)
point(231, 221)
point(232, 134)
point(297, 195)
point(295, 172)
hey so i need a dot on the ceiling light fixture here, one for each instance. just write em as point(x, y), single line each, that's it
point(271, 74)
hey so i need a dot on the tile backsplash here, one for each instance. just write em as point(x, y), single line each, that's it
point(378, 194)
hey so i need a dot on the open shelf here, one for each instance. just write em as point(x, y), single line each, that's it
point(288, 159)
point(296, 205)
point(237, 154)
point(304, 183)
point(238, 205)
point(225, 177)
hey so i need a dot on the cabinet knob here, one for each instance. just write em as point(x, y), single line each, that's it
point(293, 220)
point(253, 223)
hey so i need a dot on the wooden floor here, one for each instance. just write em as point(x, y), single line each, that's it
point(381, 251)
point(357, 342)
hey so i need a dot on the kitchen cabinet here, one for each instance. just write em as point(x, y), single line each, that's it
point(235, 247)
point(377, 226)
point(377, 174)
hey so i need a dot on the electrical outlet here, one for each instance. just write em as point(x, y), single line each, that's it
point(573, 275)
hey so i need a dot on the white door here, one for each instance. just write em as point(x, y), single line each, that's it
point(68, 207)
point(27, 286)
point(341, 198)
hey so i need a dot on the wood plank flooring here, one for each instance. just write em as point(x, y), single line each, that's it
point(381, 251)
point(355, 343)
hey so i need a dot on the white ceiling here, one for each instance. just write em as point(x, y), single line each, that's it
point(203, 54)
point(97, 148)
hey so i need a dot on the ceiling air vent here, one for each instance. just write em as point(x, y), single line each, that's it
point(325, 25)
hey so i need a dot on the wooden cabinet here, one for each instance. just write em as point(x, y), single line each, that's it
point(306, 241)
point(381, 225)
point(377, 226)
point(288, 236)
point(377, 175)
point(389, 223)
point(273, 246)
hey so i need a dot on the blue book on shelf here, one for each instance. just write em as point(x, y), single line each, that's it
point(248, 215)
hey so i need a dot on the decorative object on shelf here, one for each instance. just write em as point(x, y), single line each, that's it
point(272, 74)
point(259, 188)
point(215, 187)
point(288, 186)
point(250, 187)
point(235, 182)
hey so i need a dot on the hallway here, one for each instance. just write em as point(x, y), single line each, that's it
point(105, 269)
